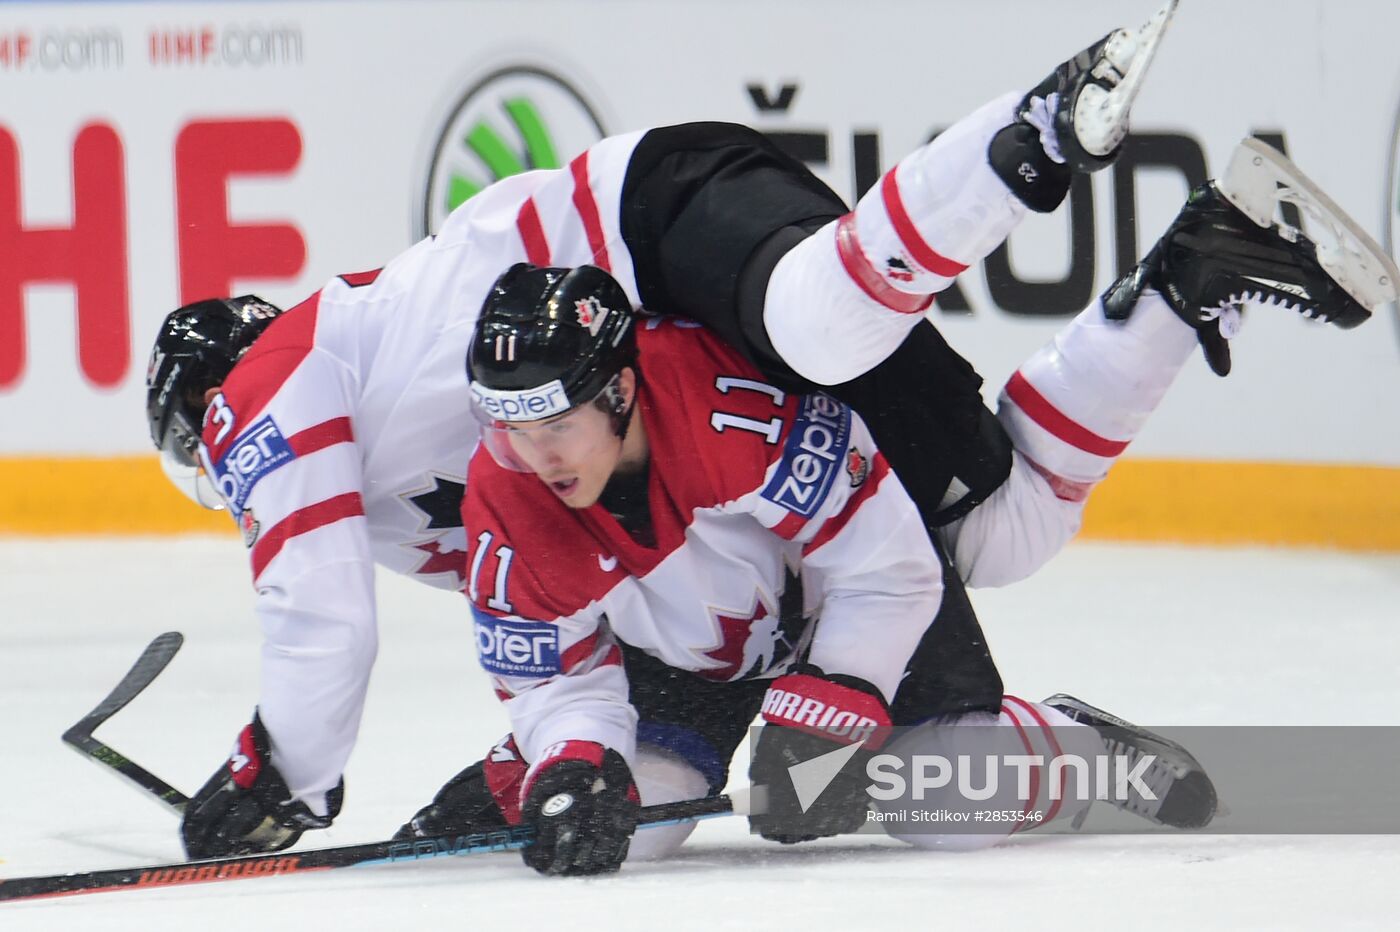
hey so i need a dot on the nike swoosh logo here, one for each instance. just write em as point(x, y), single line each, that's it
point(607, 564)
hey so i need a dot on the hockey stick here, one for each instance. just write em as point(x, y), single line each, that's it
point(364, 855)
point(153, 659)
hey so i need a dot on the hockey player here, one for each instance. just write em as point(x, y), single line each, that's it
point(648, 519)
point(336, 436)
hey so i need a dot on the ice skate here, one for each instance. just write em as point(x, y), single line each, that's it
point(1185, 795)
point(1082, 108)
point(1226, 249)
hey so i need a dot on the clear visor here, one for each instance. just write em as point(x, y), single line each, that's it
point(183, 465)
point(522, 446)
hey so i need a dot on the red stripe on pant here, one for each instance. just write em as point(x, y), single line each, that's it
point(868, 278)
point(920, 251)
point(1040, 410)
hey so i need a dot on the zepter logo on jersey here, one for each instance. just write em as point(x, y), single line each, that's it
point(513, 120)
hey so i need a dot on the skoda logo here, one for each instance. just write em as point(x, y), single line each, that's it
point(513, 120)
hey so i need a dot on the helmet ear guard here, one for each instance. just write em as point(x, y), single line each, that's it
point(196, 348)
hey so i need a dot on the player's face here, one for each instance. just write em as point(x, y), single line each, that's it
point(574, 454)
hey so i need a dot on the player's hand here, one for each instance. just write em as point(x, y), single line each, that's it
point(581, 799)
point(246, 808)
point(808, 714)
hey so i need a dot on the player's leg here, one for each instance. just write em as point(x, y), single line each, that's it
point(988, 775)
point(687, 731)
point(1075, 405)
point(840, 301)
point(964, 785)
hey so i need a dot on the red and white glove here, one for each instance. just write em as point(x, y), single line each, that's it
point(246, 807)
point(584, 805)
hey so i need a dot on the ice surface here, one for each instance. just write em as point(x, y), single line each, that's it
point(1162, 635)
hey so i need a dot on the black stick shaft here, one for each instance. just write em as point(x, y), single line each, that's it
point(266, 865)
point(143, 672)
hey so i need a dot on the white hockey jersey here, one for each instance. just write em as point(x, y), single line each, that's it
point(342, 439)
point(750, 488)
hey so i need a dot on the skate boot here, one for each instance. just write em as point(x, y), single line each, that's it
point(1076, 119)
point(1226, 249)
point(1185, 795)
point(464, 806)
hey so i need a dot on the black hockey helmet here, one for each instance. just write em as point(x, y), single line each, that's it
point(549, 340)
point(196, 348)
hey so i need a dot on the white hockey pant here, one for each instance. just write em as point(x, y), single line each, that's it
point(844, 298)
point(1070, 410)
point(663, 777)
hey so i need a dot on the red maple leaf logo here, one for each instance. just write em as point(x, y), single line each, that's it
point(443, 561)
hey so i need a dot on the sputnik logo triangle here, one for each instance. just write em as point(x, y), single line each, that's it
point(811, 777)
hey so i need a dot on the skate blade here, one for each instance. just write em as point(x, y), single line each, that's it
point(1101, 116)
point(1259, 178)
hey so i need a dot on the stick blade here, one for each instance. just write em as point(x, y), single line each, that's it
point(155, 658)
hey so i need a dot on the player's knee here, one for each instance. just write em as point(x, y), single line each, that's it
point(1017, 530)
point(663, 777)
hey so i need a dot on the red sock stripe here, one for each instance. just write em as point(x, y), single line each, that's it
point(868, 278)
point(587, 208)
point(322, 435)
point(300, 522)
point(532, 233)
point(1053, 420)
point(1035, 774)
point(920, 251)
point(1055, 748)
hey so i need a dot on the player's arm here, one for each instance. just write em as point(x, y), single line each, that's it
point(289, 469)
point(866, 552)
point(558, 670)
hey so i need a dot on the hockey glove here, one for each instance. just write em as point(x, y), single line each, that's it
point(581, 799)
point(246, 808)
point(808, 714)
point(483, 798)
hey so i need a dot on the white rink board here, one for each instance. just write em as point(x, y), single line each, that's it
point(368, 87)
